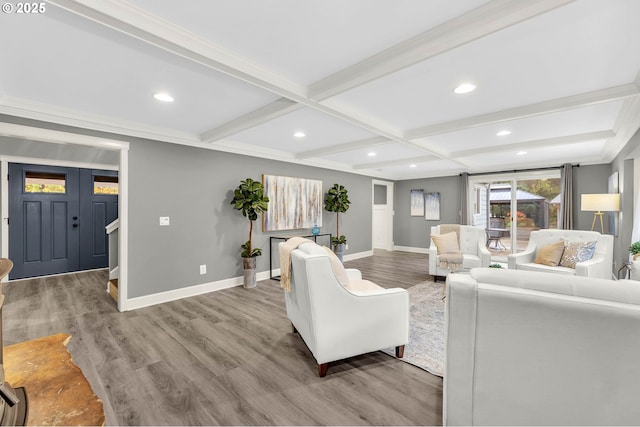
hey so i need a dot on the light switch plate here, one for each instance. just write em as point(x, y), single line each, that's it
point(164, 220)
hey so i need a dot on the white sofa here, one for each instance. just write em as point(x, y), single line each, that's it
point(473, 245)
point(527, 348)
point(337, 322)
point(600, 265)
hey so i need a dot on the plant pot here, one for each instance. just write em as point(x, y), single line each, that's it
point(249, 265)
point(339, 251)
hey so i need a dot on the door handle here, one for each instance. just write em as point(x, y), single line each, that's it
point(75, 218)
point(75, 225)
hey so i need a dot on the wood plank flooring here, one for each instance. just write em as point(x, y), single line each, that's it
point(223, 358)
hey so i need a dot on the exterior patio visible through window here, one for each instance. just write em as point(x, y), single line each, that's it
point(509, 209)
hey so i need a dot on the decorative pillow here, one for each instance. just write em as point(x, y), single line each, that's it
point(337, 267)
point(446, 243)
point(363, 285)
point(550, 254)
point(577, 252)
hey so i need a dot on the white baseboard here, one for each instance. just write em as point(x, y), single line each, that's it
point(191, 291)
point(358, 255)
point(411, 249)
point(176, 294)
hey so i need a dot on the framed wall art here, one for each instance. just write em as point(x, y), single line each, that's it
point(432, 206)
point(294, 203)
point(417, 202)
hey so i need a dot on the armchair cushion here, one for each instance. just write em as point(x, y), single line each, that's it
point(550, 254)
point(575, 252)
point(363, 285)
point(447, 243)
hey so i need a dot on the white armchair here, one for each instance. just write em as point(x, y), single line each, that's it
point(600, 265)
point(473, 245)
point(336, 320)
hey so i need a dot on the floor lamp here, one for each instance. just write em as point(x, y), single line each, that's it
point(598, 204)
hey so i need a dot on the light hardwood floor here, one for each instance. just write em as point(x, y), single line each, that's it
point(223, 358)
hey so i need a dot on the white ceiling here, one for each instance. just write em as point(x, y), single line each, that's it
point(358, 77)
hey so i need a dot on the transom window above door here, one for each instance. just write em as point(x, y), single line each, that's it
point(43, 182)
point(105, 184)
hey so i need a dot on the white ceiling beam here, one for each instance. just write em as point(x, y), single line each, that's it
point(399, 162)
point(568, 139)
point(136, 22)
point(479, 22)
point(342, 148)
point(493, 16)
point(263, 114)
point(552, 106)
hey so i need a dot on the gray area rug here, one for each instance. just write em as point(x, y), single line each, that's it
point(426, 328)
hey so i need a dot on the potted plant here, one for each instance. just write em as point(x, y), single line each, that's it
point(249, 199)
point(337, 200)
point(635, 250)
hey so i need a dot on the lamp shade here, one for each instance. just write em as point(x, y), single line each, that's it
point(600, 202)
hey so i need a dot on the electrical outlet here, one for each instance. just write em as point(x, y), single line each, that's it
point(164, 220)
point(203, 269)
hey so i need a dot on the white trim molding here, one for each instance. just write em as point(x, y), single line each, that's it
point(412, 249)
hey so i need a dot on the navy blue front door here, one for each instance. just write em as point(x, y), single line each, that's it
point(56, 223)
point(43, 235)
point(96, 211)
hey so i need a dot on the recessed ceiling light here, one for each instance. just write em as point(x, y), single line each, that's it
point(162, 96)
point(521, 153)
point(299, 134)
point(371, 154)
point(412, 165)
point(504, 132)
point(464, 88)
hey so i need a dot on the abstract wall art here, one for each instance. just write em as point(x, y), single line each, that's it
point(432, 206)
point(417, 202)
point(294, 203)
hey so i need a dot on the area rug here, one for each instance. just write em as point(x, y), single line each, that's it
point(426, 328)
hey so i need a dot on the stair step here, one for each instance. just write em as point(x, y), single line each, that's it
point(113, 289)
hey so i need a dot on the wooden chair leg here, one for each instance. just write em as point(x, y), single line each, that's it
point(400, 351)
point(293, 329)
point(322, 369)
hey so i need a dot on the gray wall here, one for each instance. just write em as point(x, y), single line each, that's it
point(194, 187)
point(415, 231)
point(589, 179)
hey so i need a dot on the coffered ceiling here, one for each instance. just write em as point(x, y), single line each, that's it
point(370, 83)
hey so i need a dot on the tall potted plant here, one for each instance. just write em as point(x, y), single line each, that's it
point(337, 200)
point(249, 199)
